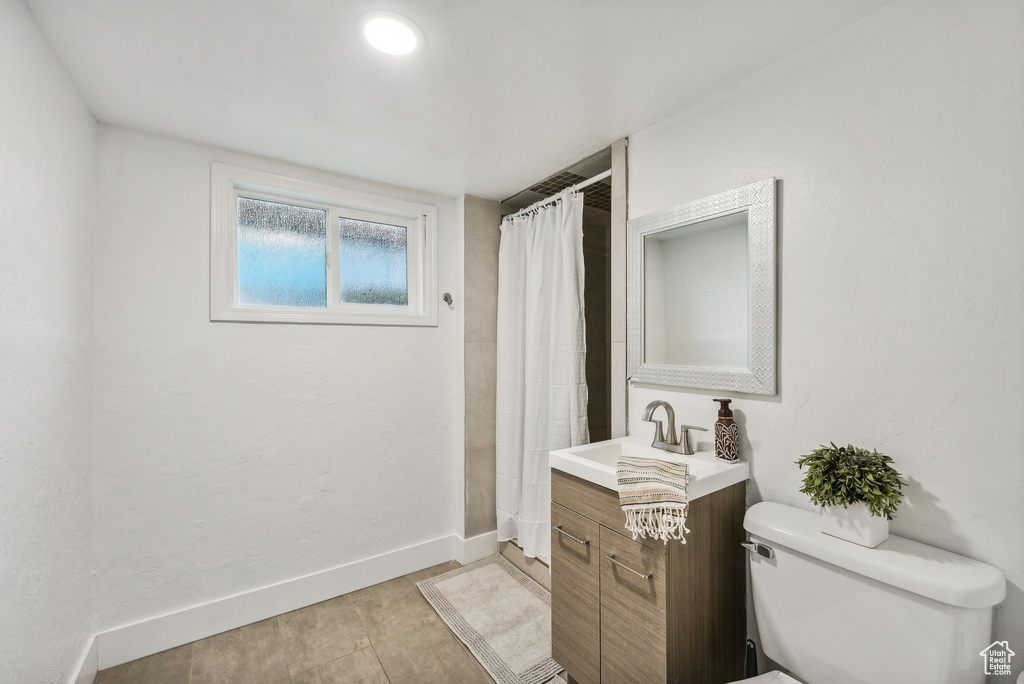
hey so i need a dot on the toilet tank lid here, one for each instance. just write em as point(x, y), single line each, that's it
point(919, 568)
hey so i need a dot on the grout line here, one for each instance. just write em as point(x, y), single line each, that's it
point(284, 648)
point(355, 609)
point(332, 660)
point(382, 668)
point(192, 663)
point(315, 667)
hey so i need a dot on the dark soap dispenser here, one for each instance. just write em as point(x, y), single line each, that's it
point(727, 433)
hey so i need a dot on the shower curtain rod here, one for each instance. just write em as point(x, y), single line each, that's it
point(572, 188)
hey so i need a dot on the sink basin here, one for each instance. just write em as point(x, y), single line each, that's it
point(596, 463)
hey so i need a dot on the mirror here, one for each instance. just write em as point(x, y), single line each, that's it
point(707, 261)
point(701, 293)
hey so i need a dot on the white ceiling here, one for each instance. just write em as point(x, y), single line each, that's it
point(504, 93)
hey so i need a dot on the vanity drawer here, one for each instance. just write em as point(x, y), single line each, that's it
point(576, 595)
point(595, 502)
point(633, 611)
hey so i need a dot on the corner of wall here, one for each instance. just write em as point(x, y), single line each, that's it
point(88, 664)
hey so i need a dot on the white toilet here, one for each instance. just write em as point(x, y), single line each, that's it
point(832, 612)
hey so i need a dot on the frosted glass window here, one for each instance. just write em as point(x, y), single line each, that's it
point(286, 250)
point(373, 263)
point(282, 254)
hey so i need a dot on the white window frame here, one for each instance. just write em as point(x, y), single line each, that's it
point(228, 183)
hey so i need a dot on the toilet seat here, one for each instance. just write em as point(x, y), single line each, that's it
point(773, 677)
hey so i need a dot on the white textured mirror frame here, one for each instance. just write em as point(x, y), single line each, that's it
point(759, 378)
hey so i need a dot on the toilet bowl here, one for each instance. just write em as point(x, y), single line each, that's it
point(833, 612)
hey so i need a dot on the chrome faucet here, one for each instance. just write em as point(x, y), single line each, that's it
point(670, 413)
point(669, 442)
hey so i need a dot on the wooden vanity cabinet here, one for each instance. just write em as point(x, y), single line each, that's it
point(576, 595)
point(652, 612)
point(633, 611)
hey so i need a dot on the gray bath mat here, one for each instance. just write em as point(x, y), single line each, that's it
point(502, 616)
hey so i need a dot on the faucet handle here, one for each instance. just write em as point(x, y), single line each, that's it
point(684, 437)
point(659, 431)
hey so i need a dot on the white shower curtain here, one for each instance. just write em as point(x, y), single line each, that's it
point(542, 387)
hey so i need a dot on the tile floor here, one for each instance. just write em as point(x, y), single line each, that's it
point(381, 634)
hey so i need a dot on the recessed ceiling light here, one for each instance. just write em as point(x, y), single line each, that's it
point(391, 33)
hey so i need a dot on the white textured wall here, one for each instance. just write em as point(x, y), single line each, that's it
point(47, 165)
point(232, 455)
point(899, 143)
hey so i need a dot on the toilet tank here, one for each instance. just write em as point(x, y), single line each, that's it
point(833, 612)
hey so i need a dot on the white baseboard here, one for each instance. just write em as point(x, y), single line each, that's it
point(146, 637)
point(475, 548)
point(85, 670)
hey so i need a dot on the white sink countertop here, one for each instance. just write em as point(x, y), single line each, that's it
point(596, 463)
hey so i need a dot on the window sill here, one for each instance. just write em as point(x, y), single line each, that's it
point(320, 317)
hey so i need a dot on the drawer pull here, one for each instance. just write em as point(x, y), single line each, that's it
point(611, 557)
point(558, 528)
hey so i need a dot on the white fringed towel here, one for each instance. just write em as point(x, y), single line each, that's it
point(654, 496)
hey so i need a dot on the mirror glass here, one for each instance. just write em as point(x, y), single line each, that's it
point(696, 294)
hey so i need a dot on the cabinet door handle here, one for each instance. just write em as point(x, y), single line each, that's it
point(558, 528)
point(611, 557)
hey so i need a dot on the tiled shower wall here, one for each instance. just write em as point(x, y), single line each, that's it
point(483, 221)
point(597, 301)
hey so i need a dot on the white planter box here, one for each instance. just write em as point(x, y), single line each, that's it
point(854, 523)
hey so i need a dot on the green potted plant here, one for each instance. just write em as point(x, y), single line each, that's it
point(858, 492)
